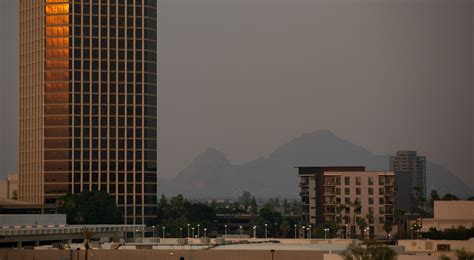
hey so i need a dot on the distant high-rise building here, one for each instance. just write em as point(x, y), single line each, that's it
point(88, 86)
point(324, 189)
point(411, 171)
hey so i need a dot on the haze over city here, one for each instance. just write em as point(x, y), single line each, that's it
point(245, 77)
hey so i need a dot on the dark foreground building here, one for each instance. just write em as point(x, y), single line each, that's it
point(88, 86)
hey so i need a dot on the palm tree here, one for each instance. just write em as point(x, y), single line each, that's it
point(356, 206)
point(340, 209)
point(362, 226)
point(399, 213)
point(387, 226)
point(88, 234)
point(370, 218)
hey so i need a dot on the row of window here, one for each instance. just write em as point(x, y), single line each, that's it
point(149, 188)
point(106, 88)
point(112, 66)
point(121, 9)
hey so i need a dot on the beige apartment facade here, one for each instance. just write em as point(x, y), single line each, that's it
point(325, 189)
point(88, 85)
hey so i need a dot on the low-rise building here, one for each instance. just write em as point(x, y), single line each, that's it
point(449, 214)
point(9, 187)
point(330, 194)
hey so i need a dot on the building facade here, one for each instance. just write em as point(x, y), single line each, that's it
point(88, 86)
point(9, 187)
point(411, 171)
point(329, 195)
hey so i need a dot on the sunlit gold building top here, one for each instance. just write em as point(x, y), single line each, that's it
point(88, 101)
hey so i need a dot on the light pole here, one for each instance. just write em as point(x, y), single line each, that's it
point(296, 226)
point(180, 232)
point(164, 230)
point(273, 252)
point(225, 231)
point(347, 230)
point(240, 227)
point(309, 231)
point(304, 232)
point(266, 225)
point(199, 230)
point(254, 231)
point(188, 230)
point(389, 238)
point(326, 230)
point(205, 232)
point(153, 228)
point(193, 231)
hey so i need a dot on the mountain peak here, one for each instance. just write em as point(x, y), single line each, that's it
point(211, 156)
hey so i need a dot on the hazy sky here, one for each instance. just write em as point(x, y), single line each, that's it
point(247, 76)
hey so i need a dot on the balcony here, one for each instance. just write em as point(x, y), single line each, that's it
point(329, 183)
point(304, 184)
point(304, 193)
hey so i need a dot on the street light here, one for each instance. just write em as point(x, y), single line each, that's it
point(347, 230)
point(254, 231)
point(389, 235)
point(304, 232)
point(205, 232)
point(225, 231)
point(153, 227)
point(295, 229)
point(240, 227)
point(193, 231)
point(199, 229)
point(273, 252)
point(188, 230)
point(309, 231)
point(326, 230)
point(266, 236)
point(164, 228)
point(180, 232)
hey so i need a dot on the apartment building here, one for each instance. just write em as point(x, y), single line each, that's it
point(410, 169)
point(368, 195)
point(88, 118)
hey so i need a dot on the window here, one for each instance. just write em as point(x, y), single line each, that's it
point(371, 201)
point(357, 191)
point(371, 181)
point(347, 191)
point(371, 191)
point(358, 181)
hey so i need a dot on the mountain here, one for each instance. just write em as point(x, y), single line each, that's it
point(211, 175)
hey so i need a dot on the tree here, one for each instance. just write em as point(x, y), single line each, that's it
point(285, 228)
point(449, 196)
point(356, 207)
point(362, 226)
point(340, 210)
point(434, 196)
point(368, 251)
point(89, 207)
point(253, 206)
point(399, 218)
point(462, 254)
point(387, 226)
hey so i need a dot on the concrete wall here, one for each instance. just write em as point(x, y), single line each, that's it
point(431, 245)
point(32, 219)
point(146, 254)
point(399, 257)
point(454, 210)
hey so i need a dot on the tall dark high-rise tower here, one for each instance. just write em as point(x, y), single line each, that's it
point(88, 86)
point(411, 171)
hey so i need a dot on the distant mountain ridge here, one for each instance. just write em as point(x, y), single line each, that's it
point(211, 175)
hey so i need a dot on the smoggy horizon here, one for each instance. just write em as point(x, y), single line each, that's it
point(246, 76)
